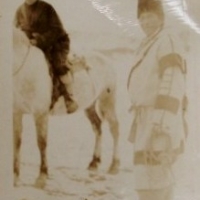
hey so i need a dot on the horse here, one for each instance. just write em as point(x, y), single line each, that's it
point(32, 90)
point(32, 87)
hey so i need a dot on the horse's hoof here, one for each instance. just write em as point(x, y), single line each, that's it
point(93, 166)
point(40, 183)
point(114, 168)
point(16, 181)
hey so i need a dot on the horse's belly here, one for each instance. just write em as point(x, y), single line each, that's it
point(89, 84)
point(83, 89)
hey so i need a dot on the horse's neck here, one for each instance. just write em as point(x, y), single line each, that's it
point(20, 41)
point(20, 52)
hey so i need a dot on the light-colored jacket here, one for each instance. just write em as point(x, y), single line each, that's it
point(156, 87)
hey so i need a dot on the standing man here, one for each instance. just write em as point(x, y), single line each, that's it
point(43, 27)
point(156, 87)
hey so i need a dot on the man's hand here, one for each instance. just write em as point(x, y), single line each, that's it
point(33, 42)
point(67, 79)
point(36, 35)
point(24, 26)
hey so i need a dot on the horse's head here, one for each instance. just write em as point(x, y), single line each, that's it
point(19, 38)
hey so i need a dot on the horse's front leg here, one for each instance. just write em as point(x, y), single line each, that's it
point(96, 125)
point(41, 122)
point(17, 136)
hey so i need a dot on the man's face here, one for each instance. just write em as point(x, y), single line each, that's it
point(30, 2)
point(150, 22)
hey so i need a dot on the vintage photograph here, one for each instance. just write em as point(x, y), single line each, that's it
point(100, 100)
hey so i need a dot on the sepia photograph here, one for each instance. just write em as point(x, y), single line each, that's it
point(99, 100)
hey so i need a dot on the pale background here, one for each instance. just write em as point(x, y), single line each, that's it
point(110, 26)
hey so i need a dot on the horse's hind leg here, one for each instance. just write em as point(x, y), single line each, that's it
point(108, 111)
point(41, 122)
point(114, 129)
point(96, 125)
point(17, 134)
